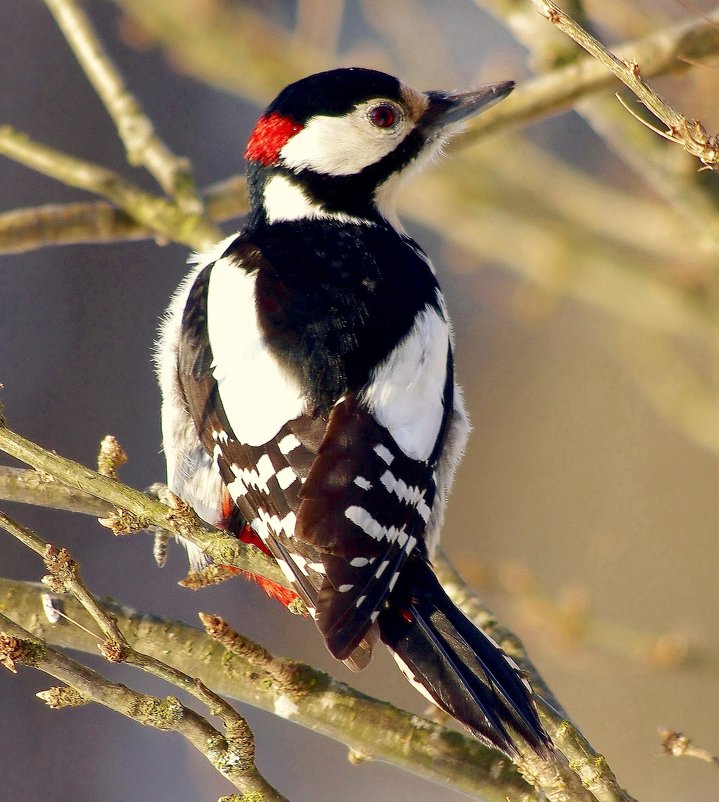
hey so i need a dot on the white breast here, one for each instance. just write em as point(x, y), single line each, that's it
point(258, 395)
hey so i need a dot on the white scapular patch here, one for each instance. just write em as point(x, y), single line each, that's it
point(409, 494)
point(343, 145)
point(345, 588)
point(406, 391)
point(373, 528)
point(359, 562)
point(285, 200)
point(242, 361)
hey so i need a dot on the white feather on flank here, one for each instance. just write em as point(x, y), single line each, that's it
point(241, 361)
point(191, 472)
point(406, 391)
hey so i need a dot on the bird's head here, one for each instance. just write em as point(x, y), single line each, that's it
point(337, 144)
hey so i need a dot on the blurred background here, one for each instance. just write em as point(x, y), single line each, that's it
point(579, 260)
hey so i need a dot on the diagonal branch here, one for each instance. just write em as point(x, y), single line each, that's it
point(18, 645)
point(160, 215)
point(690, 133)
point(305, 696)
point(142, 144)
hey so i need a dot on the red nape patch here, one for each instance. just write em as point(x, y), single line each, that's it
point(269, 137)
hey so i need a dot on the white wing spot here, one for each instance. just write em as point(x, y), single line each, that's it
point(371, 527)
point(359, 562)
point(288, 443)
point(365, 484)
point(409, 494)
point(384, 453)
point(381, 568)
point(360, 601)
point(345, 588)
point(286, 477)
point(286, 570)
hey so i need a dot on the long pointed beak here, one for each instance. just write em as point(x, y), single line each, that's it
point(448, 108)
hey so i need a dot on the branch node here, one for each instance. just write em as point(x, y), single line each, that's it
point(122, 522)
point(17, 650)
point(212, 574)
point(113, 651)
point(59, 697)
point(111, 457)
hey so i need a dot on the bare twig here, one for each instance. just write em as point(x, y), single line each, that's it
point(664, 51)
point(141, 510)
point(317, 701)
point(97, 221)
point(142, 144)
point(679, 745)
point(691, 134)
point(235, 759)
point(17, 645)
point(160, 215)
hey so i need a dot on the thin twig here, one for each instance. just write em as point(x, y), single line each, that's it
point(160, 215)
point(97, 221)
point(680, 745)
point(689, 133)
point(142, 144)
point(17, 645)
point(140, 512)
point(316, 701)
point(664, 51)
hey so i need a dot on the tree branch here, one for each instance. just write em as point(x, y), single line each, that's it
point(305, 696)
point(558, 780)
point(142, 144)
point(17, 645)
point(689, 133)
point(666, 51)
point(161, 216)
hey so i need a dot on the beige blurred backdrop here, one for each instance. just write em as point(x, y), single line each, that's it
point(586, 509)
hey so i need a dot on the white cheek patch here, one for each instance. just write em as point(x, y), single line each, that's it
point(341, 145)
point(258, 396)
point(407, 389)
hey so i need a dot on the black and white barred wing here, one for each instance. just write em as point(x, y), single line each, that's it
point(364, 507)
point(263, 480)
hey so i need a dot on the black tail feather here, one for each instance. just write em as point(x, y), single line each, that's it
point(455, 664)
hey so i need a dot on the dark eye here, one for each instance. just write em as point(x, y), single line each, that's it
point(383, 116)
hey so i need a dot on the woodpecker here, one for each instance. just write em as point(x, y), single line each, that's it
point(309, 399)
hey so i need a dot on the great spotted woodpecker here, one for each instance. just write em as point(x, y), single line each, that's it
point(309, 401)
